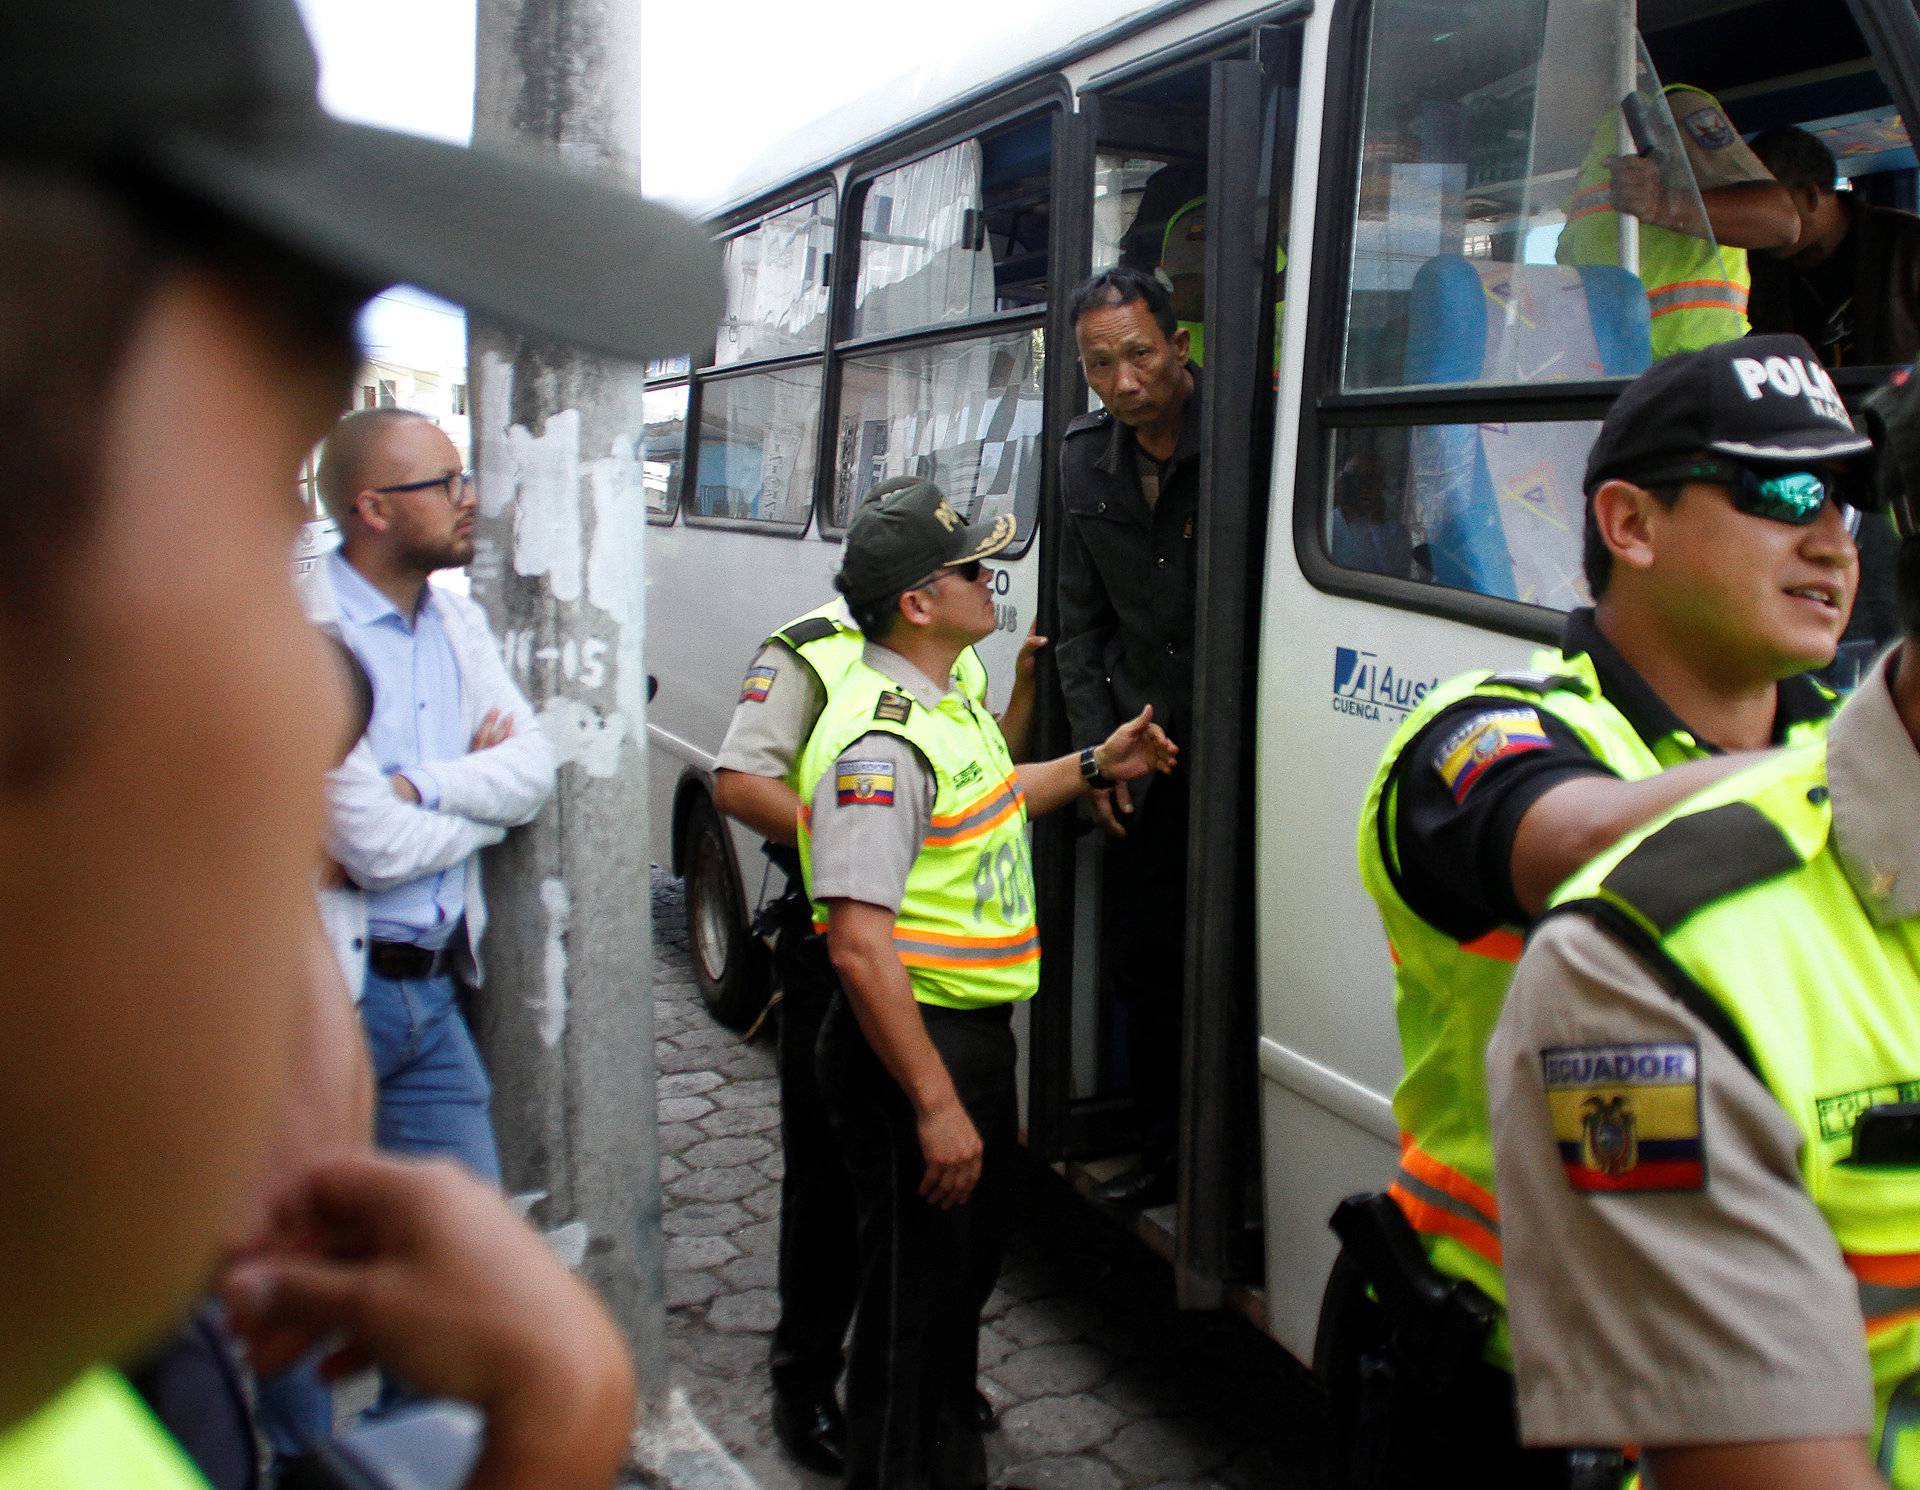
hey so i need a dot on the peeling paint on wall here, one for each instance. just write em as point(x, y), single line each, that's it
point(552, 1004)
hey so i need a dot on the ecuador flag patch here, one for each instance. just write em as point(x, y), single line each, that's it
point(1467, 751)
point(863, 783)
point(1627, 1117)
point(754, 687)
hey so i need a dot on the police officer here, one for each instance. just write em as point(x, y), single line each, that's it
point(914, 848)
point(785, 688)
point(1695, 225)
point(1721, 573)
point(1702, 1081)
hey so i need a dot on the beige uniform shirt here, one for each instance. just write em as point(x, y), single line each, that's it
point(1717, 1315)
point(863, 849)
point(1716, 152)
point(780, 702)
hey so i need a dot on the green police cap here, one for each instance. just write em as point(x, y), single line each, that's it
point(904, 531)
point(216, 101)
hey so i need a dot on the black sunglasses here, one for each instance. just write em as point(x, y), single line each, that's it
point(969, 571)
point(1793, 497)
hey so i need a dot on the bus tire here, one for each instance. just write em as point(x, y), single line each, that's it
point(729, 964)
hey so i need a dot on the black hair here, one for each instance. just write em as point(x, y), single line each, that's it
point(1795, 157)
point(875, 618)
point(1596, 559)
point(1124, 287)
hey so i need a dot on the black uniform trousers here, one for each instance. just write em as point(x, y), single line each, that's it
point(1144, 952)
point(819, 1249)
point(925, 1274)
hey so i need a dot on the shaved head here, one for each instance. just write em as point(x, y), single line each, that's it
point(348, 454)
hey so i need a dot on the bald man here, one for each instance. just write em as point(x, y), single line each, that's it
point(452, 760)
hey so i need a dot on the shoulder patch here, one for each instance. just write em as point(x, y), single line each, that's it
point(1472, 746)
point(808, 630)
point(863, 783)
point(1627, 1117)
point(893, 707)
point(1698, 859)
point(758, 681)
point(1709, 128)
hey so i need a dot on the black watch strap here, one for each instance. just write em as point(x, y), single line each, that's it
point(1091, 773)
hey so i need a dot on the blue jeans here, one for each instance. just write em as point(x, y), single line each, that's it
point(434, 1098)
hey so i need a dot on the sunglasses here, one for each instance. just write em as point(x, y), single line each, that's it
point(1793, 497)
point(969, 571)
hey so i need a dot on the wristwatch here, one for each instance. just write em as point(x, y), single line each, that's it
point(1091, 773)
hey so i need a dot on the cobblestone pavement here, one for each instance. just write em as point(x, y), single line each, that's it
point(1100, 1383)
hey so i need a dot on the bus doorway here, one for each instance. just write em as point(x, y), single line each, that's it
point(1188, 163)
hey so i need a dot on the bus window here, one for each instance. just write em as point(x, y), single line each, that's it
point(1491, 508)
point(983, 446)
point(947, 242)
point(663, 445)
point(776, 278)
point(1492, 241)
point(755, 460)
point(956, 235)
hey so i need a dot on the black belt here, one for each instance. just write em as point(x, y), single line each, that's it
point(404, 960)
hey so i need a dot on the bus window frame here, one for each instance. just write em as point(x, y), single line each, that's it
point(687, 443)
point(1031, 99)
point(703, 371)
point(1325, 409)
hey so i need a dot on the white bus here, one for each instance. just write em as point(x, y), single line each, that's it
point(1390, 491)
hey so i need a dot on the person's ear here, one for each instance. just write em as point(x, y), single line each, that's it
point(1182, 340)
point(916, 606)
point(371, 511)
point(1625, 515)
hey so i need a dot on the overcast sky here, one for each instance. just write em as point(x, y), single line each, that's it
point(720, 80)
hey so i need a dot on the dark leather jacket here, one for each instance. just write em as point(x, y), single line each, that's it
point(1886, 292)
point(1127, 579)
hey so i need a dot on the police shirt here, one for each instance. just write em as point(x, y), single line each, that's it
point(1716, 152)
point(863, 848)
point(1714, 1315)
point(780, 702)
point(1454, 837)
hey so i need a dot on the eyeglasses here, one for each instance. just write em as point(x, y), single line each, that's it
point(1793, 497)
point(454, 486)
point(969, 571)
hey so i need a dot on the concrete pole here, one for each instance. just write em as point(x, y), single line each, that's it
point(566, 1017)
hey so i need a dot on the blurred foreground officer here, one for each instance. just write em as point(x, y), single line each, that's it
point(756, 781)
point(184, 241)
point(1709, 1152)
point(1721, 571)
point(914, 847)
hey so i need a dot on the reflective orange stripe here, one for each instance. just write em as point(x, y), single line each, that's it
point(1888, 1270)
point(1738, 308)
point(1500, 946)
point(964, 964)
point(1423, 1166)
point(948, 939)
point(1429, 1220)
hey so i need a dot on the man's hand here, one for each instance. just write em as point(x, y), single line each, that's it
point(951, 1146)
point(404, 789)
point(1637, 189)
point(1109, 804)
point(1029, 654)
point(495, 729)
point(421, 1268)
point(1134, 749)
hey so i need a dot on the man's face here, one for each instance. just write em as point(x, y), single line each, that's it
point(1765, 598)
point(429, 527)
point(960, 609)
point(158, 888)
point(1139, 371)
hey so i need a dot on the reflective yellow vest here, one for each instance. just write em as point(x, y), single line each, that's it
point(823, 639)
point(97, 1435)
point(1696, 289)
point(1741, 893)
point(966, 929)
point(1448, 994)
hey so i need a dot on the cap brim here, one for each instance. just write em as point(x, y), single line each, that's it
point(991, 542)
point(1821, 443)
point(512, 237)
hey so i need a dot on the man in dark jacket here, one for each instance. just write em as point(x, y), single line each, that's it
point(1851, 283)
point(1130, 480)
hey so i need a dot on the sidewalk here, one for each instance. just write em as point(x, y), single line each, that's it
point(1100, 1383)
